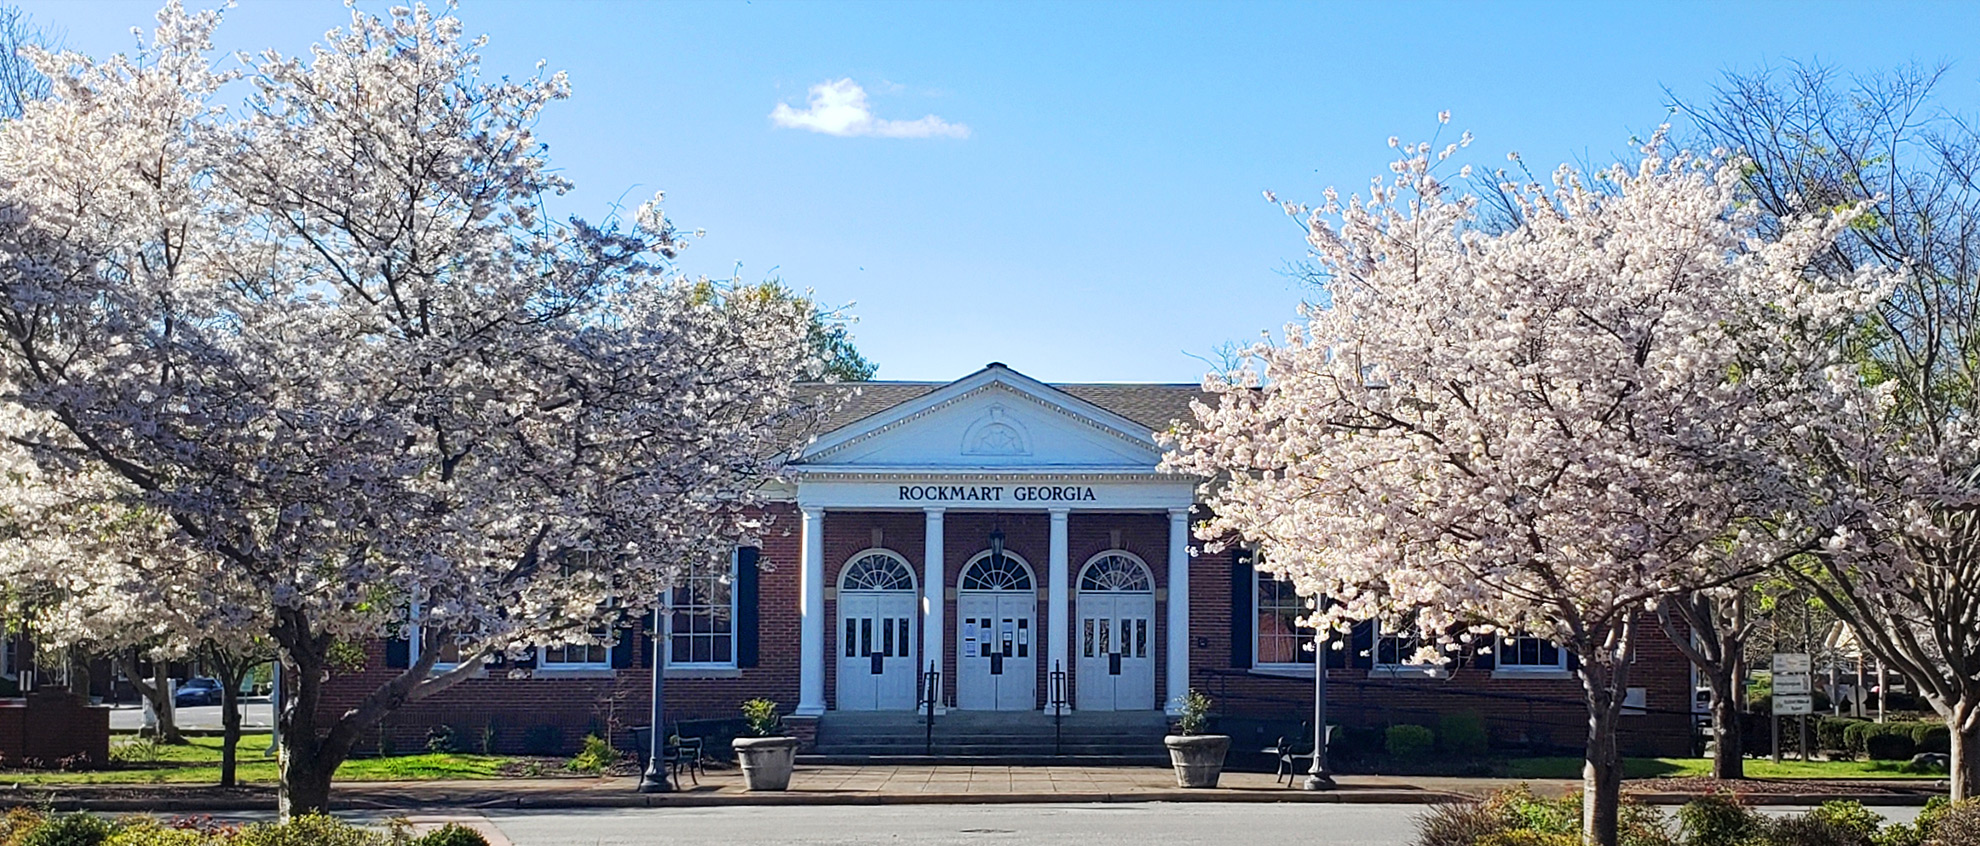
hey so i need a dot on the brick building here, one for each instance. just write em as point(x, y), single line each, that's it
point(995, 530)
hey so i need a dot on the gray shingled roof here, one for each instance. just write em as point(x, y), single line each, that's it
point(1150, 404)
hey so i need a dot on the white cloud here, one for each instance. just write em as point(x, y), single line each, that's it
point(839, 108)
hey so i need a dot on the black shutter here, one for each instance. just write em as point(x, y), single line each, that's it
point(398, 653)
point(1485, 652)
point(746, 615)
point(1361, 645)
point(1244, 592)
point(646, 640)
point(622, 650)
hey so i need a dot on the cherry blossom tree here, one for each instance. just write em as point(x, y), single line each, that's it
point(1538, 430)
point(331, 337)
point(1815, 139)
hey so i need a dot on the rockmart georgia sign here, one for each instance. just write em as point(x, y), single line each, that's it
point(1146, 492)
point(997, 493)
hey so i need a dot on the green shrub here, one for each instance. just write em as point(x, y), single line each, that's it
point(1528, 837)
point(1810, 830)
point(148, 832)
point(82, 829)
point(1195, 716)
point(1409, 742)
point(307, 830)
point(1718, 821)
point(596, 755)
point(1849, 817)
point(442, 739)
point(1829, 733)
point(1955, 824)
point(1890, 746)
point(762, 720)
point(1462, 734)
point(1933, 737)
point(452, 834)
point(17, 822)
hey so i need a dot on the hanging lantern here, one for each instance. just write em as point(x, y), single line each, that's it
point(997, 547)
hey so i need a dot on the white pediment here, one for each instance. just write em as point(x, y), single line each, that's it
point(992, 420)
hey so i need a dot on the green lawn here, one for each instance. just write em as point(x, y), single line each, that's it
point(199, 762)
point(1565, 767)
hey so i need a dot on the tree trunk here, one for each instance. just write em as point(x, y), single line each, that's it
point(1728, 741)
point(1601, 778)
point(154, 692)
point(1964, 722)
point(231, 669)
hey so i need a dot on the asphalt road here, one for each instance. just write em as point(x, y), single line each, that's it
point(1135, 824)
point(256, 715)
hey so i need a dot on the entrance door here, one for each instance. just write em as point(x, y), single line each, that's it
point(1115, 669)
point(996, 639)
point(877, 634)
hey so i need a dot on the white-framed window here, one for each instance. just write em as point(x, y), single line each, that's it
point(701, 617)
point(597, 655)
point(1278, 639)
point(450, 652)
point(1527, 655)
point(578, 656)
point(1393, 651)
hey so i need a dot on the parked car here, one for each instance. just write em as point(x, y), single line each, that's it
point(197, 691)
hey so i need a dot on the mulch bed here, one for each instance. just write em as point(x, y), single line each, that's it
point(1706, 786)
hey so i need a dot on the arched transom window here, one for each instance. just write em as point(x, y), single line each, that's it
point(1115, 570)
point(877, 569)
point(986, 572)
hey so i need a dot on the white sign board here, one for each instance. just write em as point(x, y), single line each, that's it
point(1793, 684)
point(1788, 706)
point(1792, 662)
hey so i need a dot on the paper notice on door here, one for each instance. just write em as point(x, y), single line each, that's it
point(1010, 630)
point(969, 632)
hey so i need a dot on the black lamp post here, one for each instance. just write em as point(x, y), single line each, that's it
point(1319, 778)
point(655, 778)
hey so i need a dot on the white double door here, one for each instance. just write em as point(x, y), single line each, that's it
point(997, 650)
point(876, 650)
point(1115, 666)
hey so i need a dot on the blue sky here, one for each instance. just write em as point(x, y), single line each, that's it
point(1085, 204)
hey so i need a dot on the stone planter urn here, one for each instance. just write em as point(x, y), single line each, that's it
point(1198, 758)
point(767, 761)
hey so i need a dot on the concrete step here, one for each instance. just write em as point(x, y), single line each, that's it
point(982, 761)
point(992, 736)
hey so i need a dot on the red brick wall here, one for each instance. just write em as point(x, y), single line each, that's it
point(523, 710)
point(54, 729)
point(1518, 711)
point(1540, 711)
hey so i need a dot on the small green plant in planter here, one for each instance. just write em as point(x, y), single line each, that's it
point(760, 718)
point(1198, 757)
point(767, 757)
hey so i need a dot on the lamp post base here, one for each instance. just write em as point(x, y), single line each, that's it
point(1318, 782)
point(652, 782)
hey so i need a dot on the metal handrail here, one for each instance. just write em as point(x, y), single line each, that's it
point(931, 696)
point(1056, 687)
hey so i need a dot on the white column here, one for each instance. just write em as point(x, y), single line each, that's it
point(811, 615)
point(1056, 604)
point(1178, 608)
point(934, 629)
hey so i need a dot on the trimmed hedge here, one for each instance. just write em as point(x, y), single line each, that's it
point(1409, 742)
